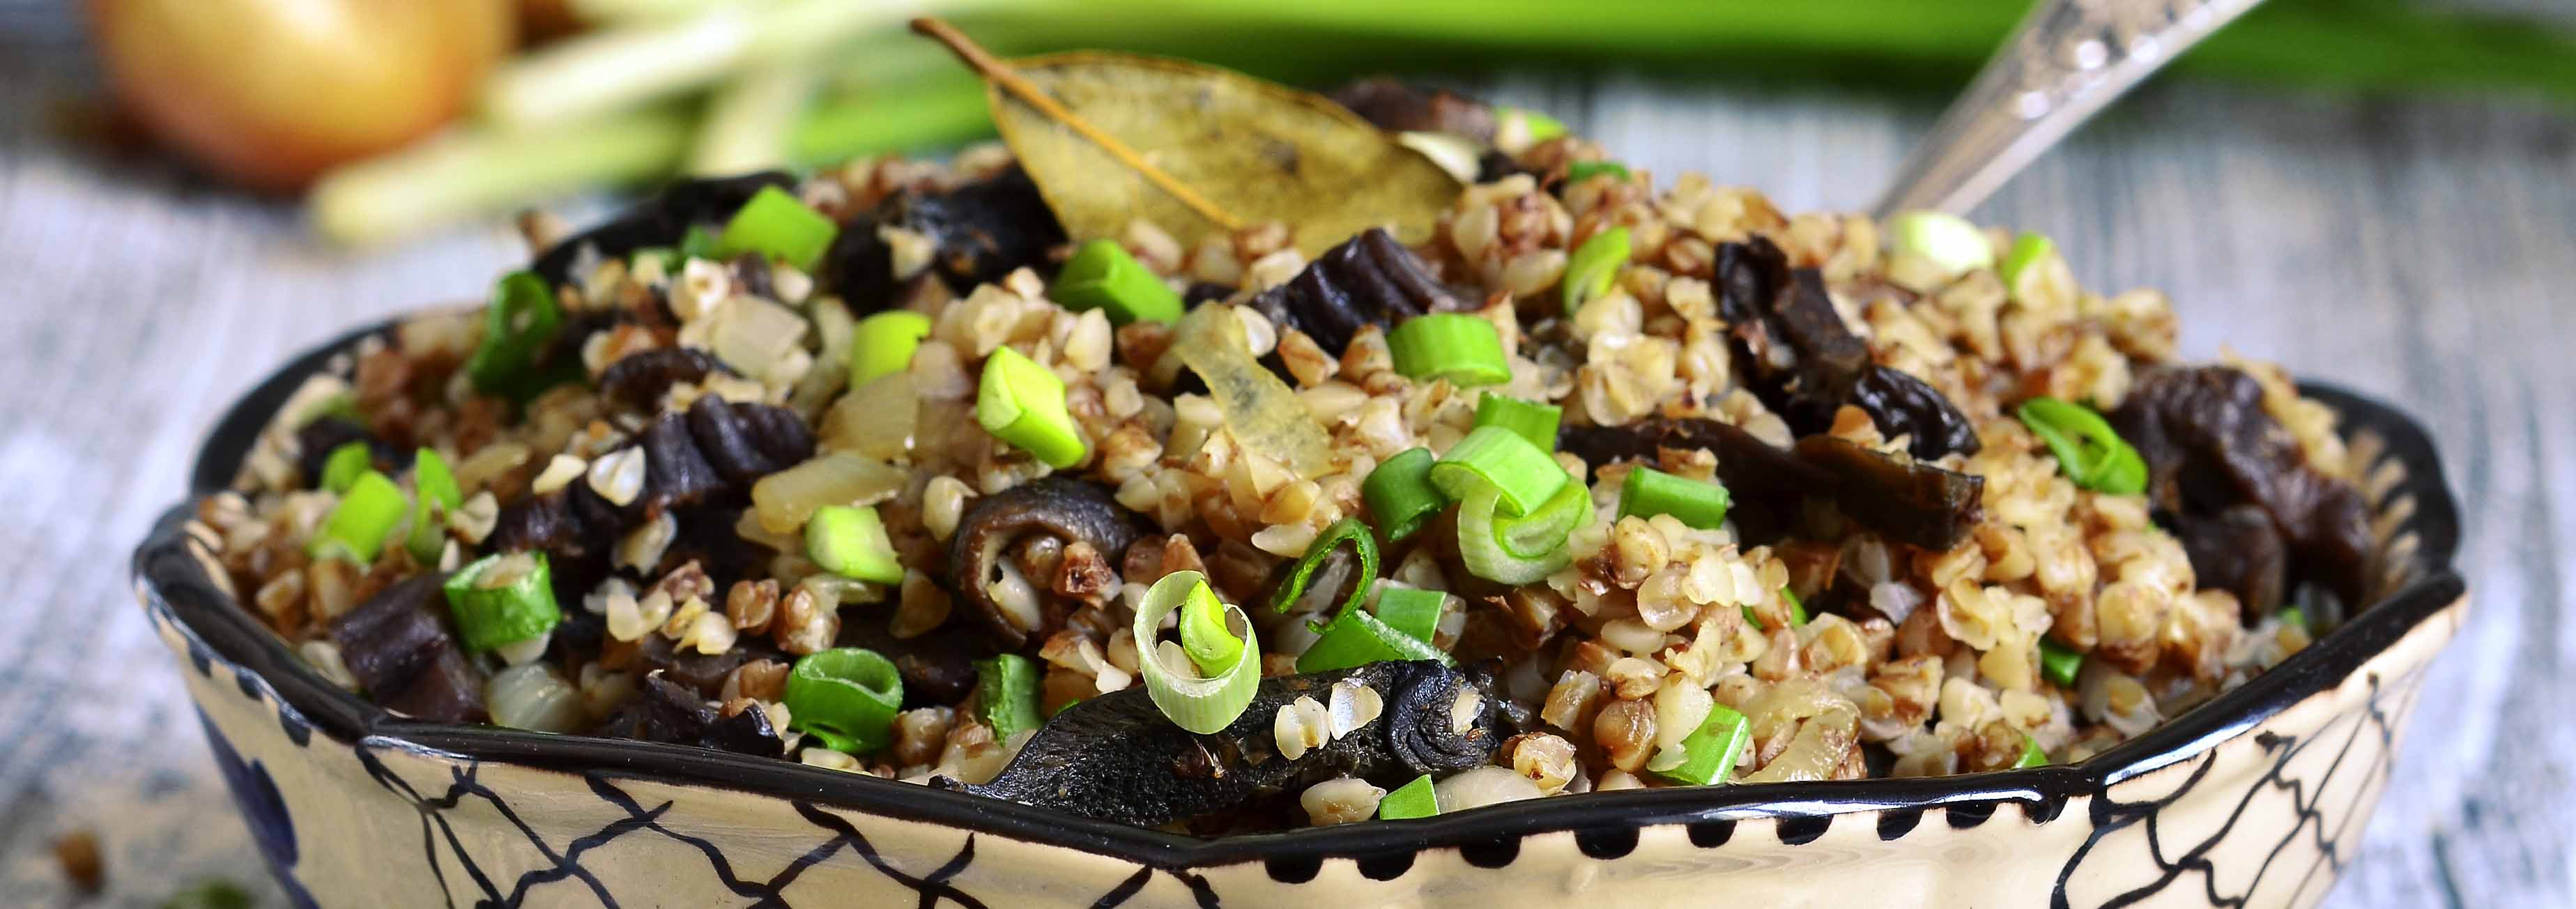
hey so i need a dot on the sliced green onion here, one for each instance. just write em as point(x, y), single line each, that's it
point(1006, 695)
point(882, 344)
point(777, 225)
point(2060, 663)
point(1101, 275)
point(1211, 646)
point(1022, 403)
point(2027, 250)
point(1595, 267)
point(345, 465)
point(1649, 492)
point(1580, 171)
point(1346, 530)
point(1500, 458)
point(1797, 607)
point(846, 697)
point(1358, 638)
point(1462, 348)
point(1945, 239)
point(503, 598)
point(851, 542)
point(1541, 126)
point(1198, 704)
point(1409, 801)
point(699, 243)
point(435, 494)
point(2087, 450)
point(1400, 495)
point(357, 526)
point(520, 321)
point(2031, 755)
point(1411, 610)
point(1532, 421)
point(1710, 753)
point(1508, 551)
point(2294, 617)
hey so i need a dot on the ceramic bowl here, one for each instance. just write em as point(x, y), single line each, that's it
point(2257, 798)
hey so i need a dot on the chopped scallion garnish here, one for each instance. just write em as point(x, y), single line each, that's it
point(1580, 171)
point(358, 524)
point(1541, 126)
point(1101, 275)
point(2089, 452)
point(1211, 646)
point(1197, 703)
point(2028, 250)
point(776, 225)
point(520, 321)
point(1411, 610)
point(1594, 267)
point(2031, 755)
point(1345, 531)
point(1411, 800)
point(1495, 456)
point(846, 697)
point(2295, 617)
point(1399, 493)
point(503, 598)
point(1648, 492)
point(1006, 693)
point(1797, 607)
point(883, 344)
point(2060, 663)
point(345, 465)
point(1022, 403)
point(1533, 421)
point(1521, 550)
point(1944, 239)
point(1464, 349)
point(1710, 753)
point(851, 542)
point(435, 495)
point(1358, 638)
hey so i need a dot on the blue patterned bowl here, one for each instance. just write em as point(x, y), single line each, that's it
point(2257, 798)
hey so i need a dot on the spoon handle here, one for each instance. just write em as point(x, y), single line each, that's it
point(2067, 60)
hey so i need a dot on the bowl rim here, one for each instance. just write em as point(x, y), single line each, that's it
point(173, 580)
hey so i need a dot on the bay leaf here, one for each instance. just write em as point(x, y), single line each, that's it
point(1257, 150)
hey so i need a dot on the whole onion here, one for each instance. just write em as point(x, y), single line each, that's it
point(269, 93)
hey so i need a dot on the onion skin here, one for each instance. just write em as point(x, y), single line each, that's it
point(269, 93)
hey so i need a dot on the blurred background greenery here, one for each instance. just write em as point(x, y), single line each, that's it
point(393, 118)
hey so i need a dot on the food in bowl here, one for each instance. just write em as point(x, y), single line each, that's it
point(1568, 484)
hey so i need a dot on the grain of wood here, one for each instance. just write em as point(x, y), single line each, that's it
point(2417, 251)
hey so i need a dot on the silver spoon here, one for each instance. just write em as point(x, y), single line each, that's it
point(2068, 59)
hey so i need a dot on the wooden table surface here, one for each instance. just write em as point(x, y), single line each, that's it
point(2414, 249)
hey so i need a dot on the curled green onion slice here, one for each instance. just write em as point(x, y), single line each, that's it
point(1022, 403)
point(1006, 695)
point(1519, 551)
point(1594, 267)
point(435, 494)
point(520, 321)
point(1400, 495)
point(1580, 171)
point(1411, 610)
point(1101, 275)
point(777, 225)
point(1533, 421)
point(1411, 800)
point(845, 697)
point(851, 541)
point(1464, 349)
point(503, 598)
point(344, 466)
point(1709, 754)
point(1211, 646)
point(1358, 638)
point(1199, 704)
point(1346, 530)
point(2060, 663)
point(2031, 755)
point(358, 524)
point(1648, 492)
point(883, 344)
point(2091, 454)
point(1498, 457)
point(1945, 239)
point(2028, 250)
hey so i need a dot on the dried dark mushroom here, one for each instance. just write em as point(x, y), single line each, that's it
point(401, 645)
point(638, 380)
point(978, 232)
point(665, 711)
point(1914, 503)
point(2236, 550)
point(1392, 105)
point(662, 220)
point(720, 448)
point(1062, 507)
point(937, 666)
point(1806, 364)
point(2209, 445)
point(1117, 758)
point(316, 440)
point(1370, 279)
